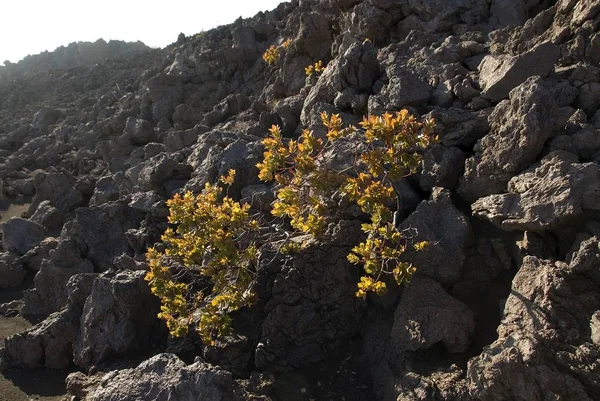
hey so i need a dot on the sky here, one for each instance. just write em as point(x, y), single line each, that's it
point(33, 26)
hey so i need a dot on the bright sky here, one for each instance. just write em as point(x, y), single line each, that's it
point(33, 26)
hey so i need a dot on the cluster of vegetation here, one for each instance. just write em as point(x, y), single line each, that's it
point(208, 265)
point(272, 54)
point(314, 69)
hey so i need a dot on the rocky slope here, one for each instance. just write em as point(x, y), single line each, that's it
point(506, 306)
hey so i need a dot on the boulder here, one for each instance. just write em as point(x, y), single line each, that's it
point(100, 232)
point(544, 344)
point(589, 98)
point(427, 315)
point(47, 116)
point(164, 377)
point(21, 235)
point(138, 132)
point(12, 272)
point(405, 88)
point(35, 257)
point(438, 221)
point(50, 342)
point(499, 74)
point(458, 127)
point(587, 142)
point(308, 307)
point(159, 169)
point(357, 68)
point(51, 293)
point(549, 196)
point(58, 189)
point(119, 317)
point(519, 128)
point(106, 191)
point(47, 216)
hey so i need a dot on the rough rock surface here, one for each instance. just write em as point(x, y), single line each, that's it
point(544, 347)
point(118, 318)
point(12, 272)
point(427, 315)
point(549, 196)
point(165, 377)
point(21, 235)
point(519, 128)
point(438, 221)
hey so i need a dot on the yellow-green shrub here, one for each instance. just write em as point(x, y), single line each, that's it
point(315, 69)
point(214, 236)
point(305, 183)
point(213, 241)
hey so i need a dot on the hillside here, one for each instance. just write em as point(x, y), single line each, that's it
point(95, 138)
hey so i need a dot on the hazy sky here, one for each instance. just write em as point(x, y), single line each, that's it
point(32, 26)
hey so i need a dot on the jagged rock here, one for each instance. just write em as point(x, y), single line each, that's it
point(520, 127)
point(166, 92)
point(153, 149)
point(159, 170)
point(587, 142)
point(21, 235)
point(118, 318)
point(79, 385)
point(165, 377)
point(145, 201)
point(548, 196)
point(438, 221)
point(46, 116)
point(589, 98)
point(101, 232)
point(35, 257)
point(56, 188)
point(12, 272)
point(50, 293)
point(47, 216)
point(138, 132)
point(508, 12)
point(543, 349)
point(258, 196)
point(458, 127)
point(357, 68)
point(405, 88)
point(441, 167)
point(218, 152)
point(595, 328)
point(446, 384)
point(50, 342)
point(178, 140)
point(106, 191)
point(498, 75)
point(427, 315)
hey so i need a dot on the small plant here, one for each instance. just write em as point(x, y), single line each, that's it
point(271, 55)
point(315, 69)
point(288, 42)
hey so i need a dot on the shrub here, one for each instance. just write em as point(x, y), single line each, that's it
point(214, 241)
point(305, 182)
point(271, 55)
